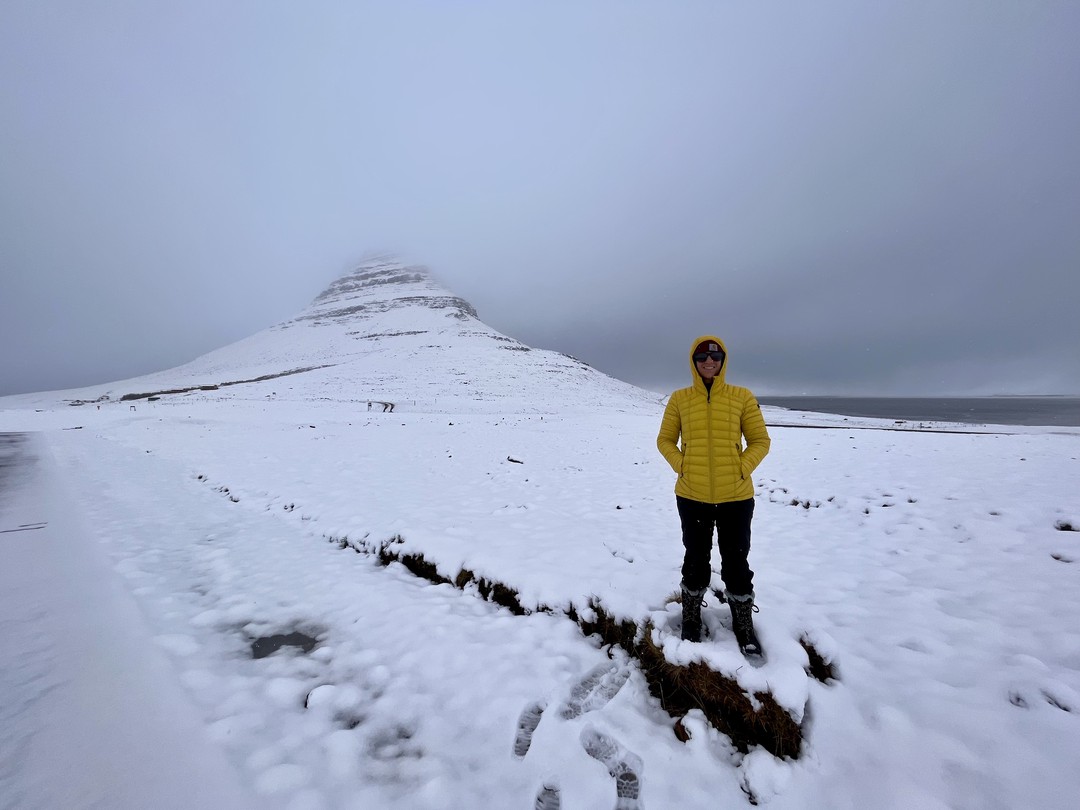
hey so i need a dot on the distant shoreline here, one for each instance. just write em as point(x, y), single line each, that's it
point(928, 398)
point(1032, 411)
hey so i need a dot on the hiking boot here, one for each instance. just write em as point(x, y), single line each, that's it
point(691, 614)
point(742, 622)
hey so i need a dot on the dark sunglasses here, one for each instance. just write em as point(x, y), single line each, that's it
point(701, 357)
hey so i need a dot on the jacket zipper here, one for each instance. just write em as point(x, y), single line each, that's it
point(709, 443)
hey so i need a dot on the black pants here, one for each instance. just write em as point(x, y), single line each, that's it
point(732, 522)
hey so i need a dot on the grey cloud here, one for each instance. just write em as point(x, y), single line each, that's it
point(860, 197)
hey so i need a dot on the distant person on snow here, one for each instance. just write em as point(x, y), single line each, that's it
point(714, 488)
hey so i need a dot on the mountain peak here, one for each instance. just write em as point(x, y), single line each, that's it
point(375, 271)
point(379, 285)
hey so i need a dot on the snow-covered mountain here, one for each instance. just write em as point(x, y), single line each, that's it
point(384, 332)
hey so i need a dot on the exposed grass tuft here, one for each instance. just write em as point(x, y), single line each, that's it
point(496, 592)
point(423, 569)
point(621, 634)
point(416, 563)
point(502, 595)
point(464, 577)
point(818, 668)
point(385, 553)
point(725, 705)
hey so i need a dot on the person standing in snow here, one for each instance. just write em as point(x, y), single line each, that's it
point(701, 437)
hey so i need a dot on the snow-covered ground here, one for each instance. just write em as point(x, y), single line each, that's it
point(186, 622)
point(935, 569)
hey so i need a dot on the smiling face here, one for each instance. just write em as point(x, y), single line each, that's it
point(708, 367)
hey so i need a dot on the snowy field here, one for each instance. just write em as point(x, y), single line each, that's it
point(144, 552)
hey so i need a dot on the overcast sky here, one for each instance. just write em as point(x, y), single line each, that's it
point(876, 198)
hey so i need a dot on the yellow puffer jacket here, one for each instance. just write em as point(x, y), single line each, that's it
point(712, 463)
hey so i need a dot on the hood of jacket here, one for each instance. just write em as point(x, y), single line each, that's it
point(699, 383)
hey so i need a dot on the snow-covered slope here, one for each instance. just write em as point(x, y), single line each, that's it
point(385, 332)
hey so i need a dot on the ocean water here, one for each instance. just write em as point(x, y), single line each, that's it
point(1032, 411)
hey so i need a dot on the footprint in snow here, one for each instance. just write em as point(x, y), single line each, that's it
point(595, 690)
point(1055, 694)
point(527, 723)
point(548, 798)
point(624, 766)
